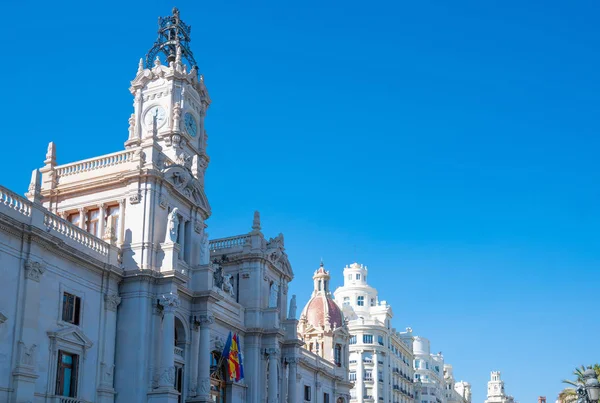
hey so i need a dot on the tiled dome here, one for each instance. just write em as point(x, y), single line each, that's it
point(322, 310)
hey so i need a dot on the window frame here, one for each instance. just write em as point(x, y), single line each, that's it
point(60, 369)
point(360, 300)
point(307, 393)
point(63, 288)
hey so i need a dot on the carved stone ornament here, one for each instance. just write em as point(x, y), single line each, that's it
point(292, 360)
point(204, 387)
point(135, 198)
point(162, 202)
point(184, 182)
point(34, 270)
point(107, 374)
point(272, 352)
point(206, 320)
point(27, 354)
point(198, 226)
point(170, 302)
point(112, 301)
point(167, 376)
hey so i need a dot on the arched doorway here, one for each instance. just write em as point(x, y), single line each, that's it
point(340, 400)
point(218, 377)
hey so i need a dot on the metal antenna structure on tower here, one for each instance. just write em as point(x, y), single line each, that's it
point(172, 33)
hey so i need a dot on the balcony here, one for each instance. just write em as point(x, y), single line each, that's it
point(64, 399)
point(178, 351)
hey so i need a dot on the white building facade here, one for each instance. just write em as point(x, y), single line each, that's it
point(456, 392)
point(429, 372)
point(380, 357)
point(112, 291)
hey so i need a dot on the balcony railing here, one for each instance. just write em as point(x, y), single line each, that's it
point(230, 242)
point(178, 351)
point(94, 163)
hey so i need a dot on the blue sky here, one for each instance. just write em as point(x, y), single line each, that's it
point(450, 146)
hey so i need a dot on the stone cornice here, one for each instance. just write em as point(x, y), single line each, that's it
point(256, 256)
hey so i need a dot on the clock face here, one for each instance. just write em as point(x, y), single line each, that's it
point(155, 113)
point(190, 124)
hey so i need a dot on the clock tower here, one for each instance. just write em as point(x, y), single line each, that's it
point(170, 102)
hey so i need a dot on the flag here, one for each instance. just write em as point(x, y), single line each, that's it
point(241, 356)
point(227, 348)
point(234, 361)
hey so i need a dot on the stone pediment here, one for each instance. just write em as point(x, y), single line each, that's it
point(276, 255)
point(184, 182)
point(72, 335)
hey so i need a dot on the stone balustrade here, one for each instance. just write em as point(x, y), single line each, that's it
point(15, 202)
point(230, 242)
point(35, 215)
point(178, 351)
point(71, 231)
point(95, 163)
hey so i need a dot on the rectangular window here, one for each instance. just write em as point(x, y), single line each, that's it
point(352, 376)
point(307, 393)
point(71, 308)
point(66, 374)
point(368, 375)
point(358, 276)
point(92, 218)
point(346, 300)
point(417, 364)
point(380, 340)
point(353, 339)
point(349, 277)
point(113, 214)
point(73, 219)
point(337, 355)
point(360, 300)
point(367, 338)
point(426, 365)
point(325, 397)
point(372, 301)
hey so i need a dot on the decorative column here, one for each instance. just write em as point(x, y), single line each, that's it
point(273, 382)
point(375, 377)
point(101, 219)
point(193, 388)
point(105, 390)
point(359, 377)
point(82, 218)
point(120, 230)
point(181, 238)
point(170, 303)
point(204, 358)
point(292, 381)
point(24, 374)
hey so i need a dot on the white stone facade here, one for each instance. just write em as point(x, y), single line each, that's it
point(112, 291)
point(456, 392)
point(380, 357)
point(429, 372)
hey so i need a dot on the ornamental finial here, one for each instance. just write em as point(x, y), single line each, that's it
point(256, 222)
point(140, 66)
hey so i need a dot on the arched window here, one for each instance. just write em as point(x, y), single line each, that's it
point(218, 376)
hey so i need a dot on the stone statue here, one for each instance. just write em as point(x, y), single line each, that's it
point(273, 295)
point(228, 284)
point(292, 311)
point(172, 226)
point(176, 116)
point(131, 125)
point(204, 249)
